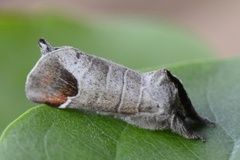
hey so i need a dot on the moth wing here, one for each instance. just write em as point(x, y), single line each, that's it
point(50, 83)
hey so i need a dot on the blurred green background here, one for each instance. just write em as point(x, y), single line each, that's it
point(136, 43)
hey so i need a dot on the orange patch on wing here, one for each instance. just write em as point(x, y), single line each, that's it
point(51, 84)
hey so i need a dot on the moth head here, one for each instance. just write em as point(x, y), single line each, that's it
point(49, 82)
point(186, 103)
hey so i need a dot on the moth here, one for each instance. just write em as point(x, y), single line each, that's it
point(65, 77)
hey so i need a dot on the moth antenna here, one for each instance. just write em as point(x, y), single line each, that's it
point(45, 47)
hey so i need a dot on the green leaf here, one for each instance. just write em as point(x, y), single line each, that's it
point(48, 133)
point(134, 43)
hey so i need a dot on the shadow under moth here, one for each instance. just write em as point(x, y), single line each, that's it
point(65, 77)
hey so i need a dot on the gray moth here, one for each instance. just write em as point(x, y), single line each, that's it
point(65, 77)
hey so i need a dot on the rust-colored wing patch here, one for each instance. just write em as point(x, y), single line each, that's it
point(51, 83)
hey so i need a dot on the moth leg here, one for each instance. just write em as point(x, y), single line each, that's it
point(178, 125)
point(191, 113)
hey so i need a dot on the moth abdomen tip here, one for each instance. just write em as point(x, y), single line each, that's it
point(42, 41)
